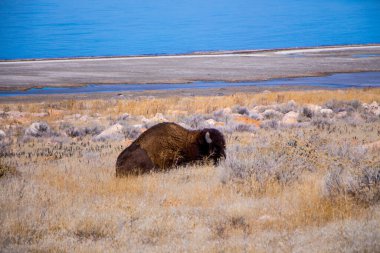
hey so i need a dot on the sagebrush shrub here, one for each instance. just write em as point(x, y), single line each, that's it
point(240, 110)
point(361, 184)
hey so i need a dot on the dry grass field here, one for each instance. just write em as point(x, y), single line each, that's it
point(302, 174)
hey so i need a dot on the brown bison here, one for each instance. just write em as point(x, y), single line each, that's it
point(166, 145)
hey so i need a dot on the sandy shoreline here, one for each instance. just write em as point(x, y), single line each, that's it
point(221, 53)
point(231, 66)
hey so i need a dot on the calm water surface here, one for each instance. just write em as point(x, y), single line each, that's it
point(68, 28)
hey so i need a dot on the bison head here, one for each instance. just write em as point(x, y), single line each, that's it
point(212, 144)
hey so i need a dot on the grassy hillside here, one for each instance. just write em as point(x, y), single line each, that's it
point(302, 174)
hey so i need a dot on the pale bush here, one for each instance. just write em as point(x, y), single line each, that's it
point(240, 110)
point(131, 132)
point(255, 115)
point(124, 116)
point(282, 161)
point(244, 128)
point(194, 121)
point(306, 112)
point(287, 107)
point(272, 114)
point(347, 153)
point(361, 184)
point(322, 122)
point(221, 115)
point(38, 129)
point(269, 124)
point(340, 105)
point(73, 131)
point(354, 119)
point(370, 117)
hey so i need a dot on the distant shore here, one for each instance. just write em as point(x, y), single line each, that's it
point(227, 66)
point(218, 53)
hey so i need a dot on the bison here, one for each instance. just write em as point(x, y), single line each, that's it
point(167, 145)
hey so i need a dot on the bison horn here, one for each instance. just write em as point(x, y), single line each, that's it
point(208, 138)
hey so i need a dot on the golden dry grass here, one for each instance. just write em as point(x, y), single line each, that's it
point(190, 105)
point(77, 204)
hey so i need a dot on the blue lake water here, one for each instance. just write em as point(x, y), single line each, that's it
point(68, 28)
point(341, 80)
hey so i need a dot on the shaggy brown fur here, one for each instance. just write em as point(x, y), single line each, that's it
point(166, 145)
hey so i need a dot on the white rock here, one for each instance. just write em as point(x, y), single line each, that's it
point(270, 113)
point(15, 114)
point(124, 116)
point(314, 108)
point(38, 129)
point(39, 114)
point(227, 110)
point(326, 112)
point(141, 118)
point(176, 112)
point(376, 112)
point(372, 145)
point(183, 125)
point(341, 115)
point(374, 105)
point(235, 115)
point(266, 218)
point(84, 118)
point(159, 117)
point(374, 108)
point(290, 118)
point(210, 122)
point(292, 103)
point(2, 134)
point(114, 132)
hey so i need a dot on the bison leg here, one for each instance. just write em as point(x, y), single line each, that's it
point(133, 161)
